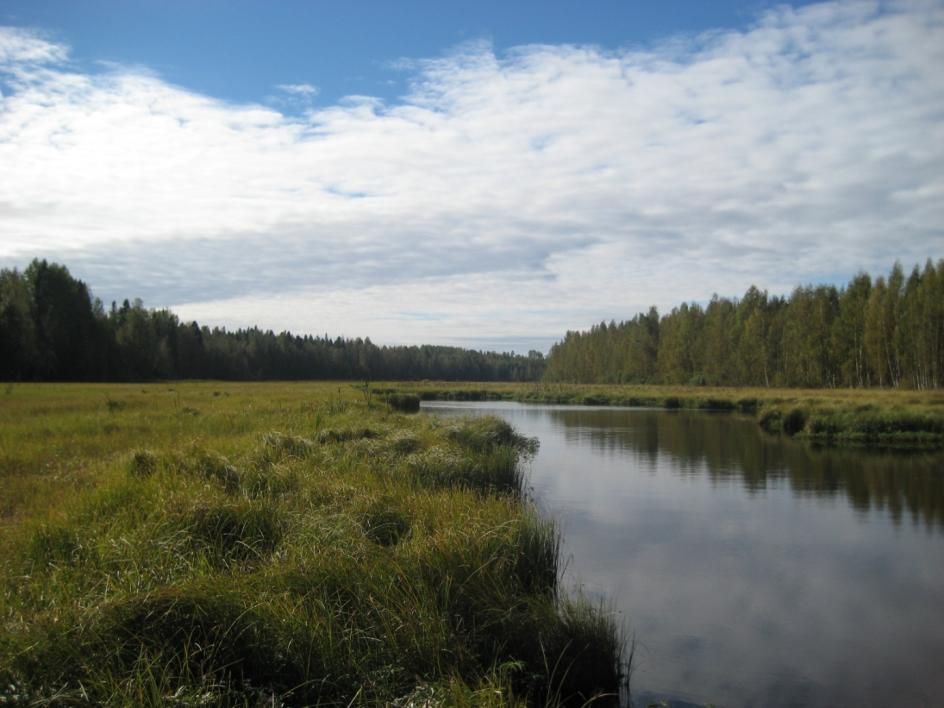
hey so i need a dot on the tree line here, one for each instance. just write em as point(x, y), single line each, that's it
point(53, 329)
point(886, 332)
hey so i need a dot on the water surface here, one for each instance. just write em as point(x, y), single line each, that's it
point(753, 570)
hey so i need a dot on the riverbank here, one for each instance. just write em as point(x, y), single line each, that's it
point(694, 523)
point(842, 416)
point(304, 543)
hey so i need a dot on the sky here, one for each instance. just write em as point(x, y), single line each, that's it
point(487, 175)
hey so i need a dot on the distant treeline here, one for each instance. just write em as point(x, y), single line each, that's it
point(52, 329)
point(883, 332)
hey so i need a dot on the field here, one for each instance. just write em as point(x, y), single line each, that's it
point(299, 544)
point(843, 416)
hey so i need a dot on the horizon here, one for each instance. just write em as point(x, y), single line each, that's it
point(471, 178)
point(702, 303)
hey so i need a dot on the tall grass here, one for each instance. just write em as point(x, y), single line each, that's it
point(282, 545)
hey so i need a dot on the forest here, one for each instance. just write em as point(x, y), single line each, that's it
point(52, 329)
point(884, 332)
point(881, 332)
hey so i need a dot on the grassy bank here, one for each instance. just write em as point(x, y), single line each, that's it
point(852, 416)
point(239, 544)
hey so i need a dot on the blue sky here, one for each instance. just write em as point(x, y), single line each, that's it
point(488, 176)
point(241, 50)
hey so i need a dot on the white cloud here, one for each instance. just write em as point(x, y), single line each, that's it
point(27, 46)
point(306, 90)
point(508, 195)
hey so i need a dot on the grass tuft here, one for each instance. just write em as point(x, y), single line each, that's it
point(494, 471)
point(794, 421)
point(336, 435)
point(277, 446)
point(235, 532)
point(405, 443)
point(211, 466)
point(205, 559)
point(142, 463)
point(196, 635)
point(403, 402)
point(384, 525)
point(488, 433)
point(51, 544)
point(770, 420)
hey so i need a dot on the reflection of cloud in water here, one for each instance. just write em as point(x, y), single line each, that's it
point(753, 570)
point(723, 447)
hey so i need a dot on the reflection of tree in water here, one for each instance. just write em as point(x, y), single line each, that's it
point(725, 447)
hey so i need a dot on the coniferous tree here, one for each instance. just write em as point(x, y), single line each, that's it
point(18, 344)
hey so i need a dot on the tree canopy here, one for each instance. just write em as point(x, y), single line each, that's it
point(52, 329)
point(887, 331)
point(882, 332)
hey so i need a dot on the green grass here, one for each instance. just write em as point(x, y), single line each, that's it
point(847, 416)
point(240, 544)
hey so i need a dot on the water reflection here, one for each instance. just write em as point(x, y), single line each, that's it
point(724, 446)
point(753, 570)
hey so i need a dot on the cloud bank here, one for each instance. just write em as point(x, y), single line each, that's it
point(508, 197)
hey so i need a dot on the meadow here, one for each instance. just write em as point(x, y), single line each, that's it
point(300, 544)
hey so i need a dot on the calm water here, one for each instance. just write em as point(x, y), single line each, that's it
point(753, 570)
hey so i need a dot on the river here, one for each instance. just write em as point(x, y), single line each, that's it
point(752, 570)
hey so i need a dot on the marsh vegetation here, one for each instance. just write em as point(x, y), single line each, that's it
point(247, 543)
point(870, 417)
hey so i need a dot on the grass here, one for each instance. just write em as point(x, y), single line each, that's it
point(240, 544)
point(847, 416)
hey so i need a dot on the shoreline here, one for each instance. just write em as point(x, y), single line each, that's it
point(863, 417)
